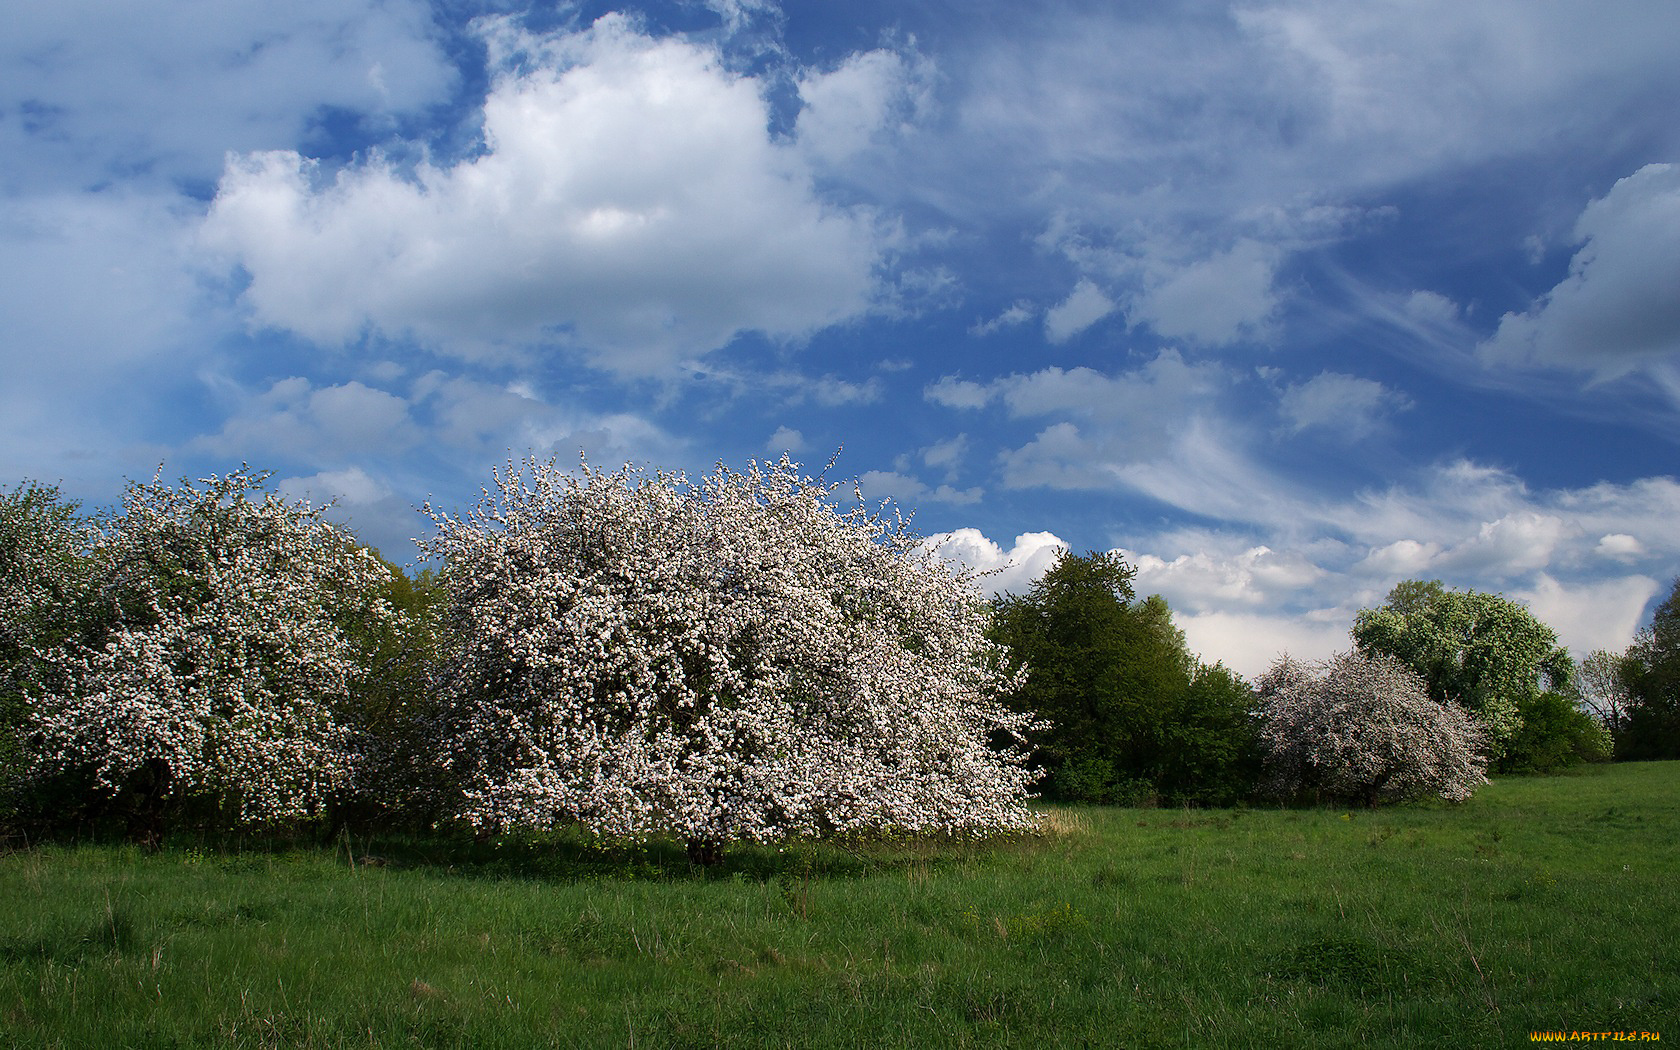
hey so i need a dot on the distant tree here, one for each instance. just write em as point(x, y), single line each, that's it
point(220, 652)
point(1129, 713)
point(1482, 651)
point(1650, 674)
point(1600, 679)
point(733, 659)
point(1211, 751)
point(1094, 672)
point(1363, 728)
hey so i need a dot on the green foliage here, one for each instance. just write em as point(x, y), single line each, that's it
point(1650, 675)
point(1556, 733)
point(1212, 751)
point(392, 709)
point(1482, 651)
point(1131, 715)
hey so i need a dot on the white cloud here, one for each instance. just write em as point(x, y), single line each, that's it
point(1084, 307)
point(1018, 313)
point(1217, 300)
point(630, 201)
point(1601, 614)
point(1009, 572)
point(1620, 546)
point(159, 92)
point(352, 486)
point(1208, 580)
point(958, 393)
point(293, 418)
point(785, 439)
point(1346, 405)
point(1619, 306)
point(366, 505)
point(1250, 642)
point(908, 491)
point(1431, 308)
point(854, 105)
point(945, 455)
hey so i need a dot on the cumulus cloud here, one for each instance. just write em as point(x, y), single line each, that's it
point(1620, 546)
point(629, 201)
point(293, 418)
point(1619, 306)
point(945, 455)
point(1345, 405)
point(1250, 642)
point(366, 505)
point(1210, 580)
point(1217, 300)
point(1084, 307)
point(1600, 614)
point(786, 439)
point(953, 392)
point(864, 99)
point(1007, 572)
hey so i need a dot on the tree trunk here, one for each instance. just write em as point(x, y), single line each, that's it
point(705, 852)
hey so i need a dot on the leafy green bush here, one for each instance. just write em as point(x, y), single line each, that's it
point(1555, 734)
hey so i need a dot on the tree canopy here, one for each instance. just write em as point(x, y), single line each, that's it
point(1129, 711)
point(733, 659)
point(1482, 651)
point(1650, 678)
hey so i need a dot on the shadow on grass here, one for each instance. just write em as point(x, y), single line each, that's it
point(569, 854)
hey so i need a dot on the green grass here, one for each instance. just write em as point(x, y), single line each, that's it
point(1543, 904)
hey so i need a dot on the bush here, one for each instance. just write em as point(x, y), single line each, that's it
point(1555, 734)
point(736, 659)
point(1364, 729)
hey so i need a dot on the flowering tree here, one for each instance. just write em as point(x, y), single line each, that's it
point(1364, 728)
point(1482, 651)
point(218, 644)
point(45, 576)
point(734, 659)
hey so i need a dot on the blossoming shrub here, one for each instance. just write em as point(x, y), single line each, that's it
point(46, 570)
point(218, 644)
point(733, 659)
point(1364, 728)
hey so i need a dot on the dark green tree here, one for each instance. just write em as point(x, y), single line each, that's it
point(1130, 714)
point(1650, 673)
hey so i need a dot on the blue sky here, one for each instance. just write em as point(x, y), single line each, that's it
point(1288, 301)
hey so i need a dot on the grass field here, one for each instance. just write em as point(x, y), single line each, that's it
point(1544, 904)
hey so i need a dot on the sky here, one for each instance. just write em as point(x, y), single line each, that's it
point(1286, 300)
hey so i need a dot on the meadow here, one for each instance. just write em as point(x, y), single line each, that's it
point(1543, 904)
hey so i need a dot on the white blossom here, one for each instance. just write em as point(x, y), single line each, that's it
point(733, 659)
point(218, 649)
point(1364, 728)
